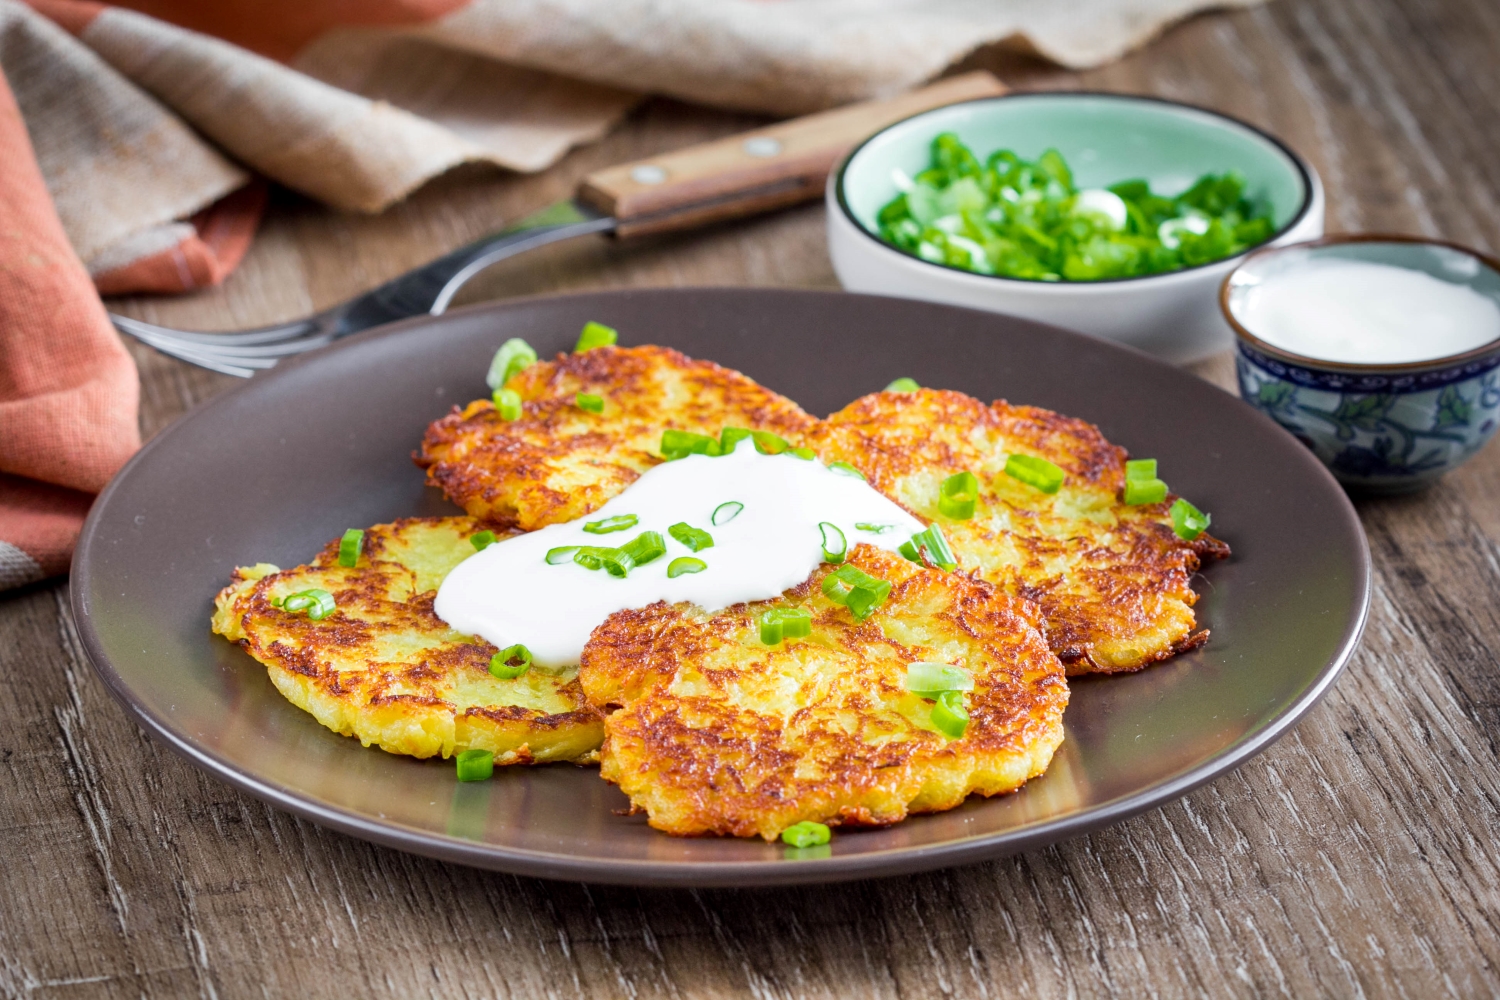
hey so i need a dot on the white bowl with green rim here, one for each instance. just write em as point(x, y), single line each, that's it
point(1106, 139)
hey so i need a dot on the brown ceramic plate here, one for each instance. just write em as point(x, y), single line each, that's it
point(273, 469)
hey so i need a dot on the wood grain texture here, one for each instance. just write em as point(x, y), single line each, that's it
point(1355, 858)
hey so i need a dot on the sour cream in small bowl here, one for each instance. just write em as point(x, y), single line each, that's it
point(1380, 353)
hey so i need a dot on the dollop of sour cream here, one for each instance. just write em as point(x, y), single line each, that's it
point(508, 593)
point(1360, 312)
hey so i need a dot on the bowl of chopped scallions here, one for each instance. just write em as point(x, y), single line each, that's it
point(1118, 216)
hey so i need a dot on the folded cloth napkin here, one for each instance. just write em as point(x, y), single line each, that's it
point(154, 126)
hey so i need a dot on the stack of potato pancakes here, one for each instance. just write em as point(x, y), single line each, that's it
point(705, 727)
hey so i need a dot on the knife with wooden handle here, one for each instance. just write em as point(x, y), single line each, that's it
point(745, 174)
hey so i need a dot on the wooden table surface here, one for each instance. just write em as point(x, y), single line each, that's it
point(1356, 857)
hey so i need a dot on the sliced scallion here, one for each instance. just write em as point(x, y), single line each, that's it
point(475, 765)
point(514, 356)
point(930, 679)
point(349, 547)
point(770, 444)
point(1142, 491)
point(562, 554)
point(317, 602)
point(785, 623)
point(1188, 521)
point(683, 565)
point(1140, 468)
point(1035, 472)
point(835, 545)
point(680, 444)
point(806, 834)
point(856, 590)
point(957, 496)
point(903, 384)
point(949, 716)
point(726, 512)
point(589, 556)
point(806, 454)
point(845, 469)
point(694, 538)
point(646, 547)
point(874, 529)
point(731, 436)
point(511, 662)
point(508, 404)
point(595, 335)
point(619, 522)
point(931, 547)
point(589, 403)
point(482, 540)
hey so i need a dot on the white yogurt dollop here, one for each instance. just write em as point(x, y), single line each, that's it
point(508, 593)
point(1358, 312)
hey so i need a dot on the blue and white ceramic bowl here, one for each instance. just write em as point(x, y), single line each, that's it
point(1387, 428)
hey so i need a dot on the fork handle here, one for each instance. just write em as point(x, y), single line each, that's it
point(756, 171)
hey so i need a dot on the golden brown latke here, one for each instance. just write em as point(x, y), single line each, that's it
point(557, 462)
point(1113, 581)
point(385, 668)
point(710, 731)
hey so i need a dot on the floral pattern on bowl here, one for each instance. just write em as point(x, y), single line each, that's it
point(1386, 437)
point(1387, 428)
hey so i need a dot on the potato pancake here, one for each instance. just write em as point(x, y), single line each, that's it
point(1113, 581)
point(711, 731)
point(558, 462)
point(383, 667)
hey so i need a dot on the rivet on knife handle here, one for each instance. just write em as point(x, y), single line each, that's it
point(752, 172)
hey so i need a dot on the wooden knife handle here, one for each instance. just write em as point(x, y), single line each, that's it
point(756, 171)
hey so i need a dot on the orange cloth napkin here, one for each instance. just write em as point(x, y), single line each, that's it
point(68, 388)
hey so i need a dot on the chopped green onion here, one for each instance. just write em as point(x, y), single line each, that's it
point(514, 355)
point(957, 495)
point(482, 540)
point(1140, 468)
point(589, 403)
point(562, 554)
point(835, 546)
point(806, 454)
point(318, 603)
point(949, 716)
point(683, 565)
point(508, 404)
point(726, 512)
point(806, 834)
point(349, 547)
point(511, 662)
point(646, 547)
point(1188, 521)
point(731, 436)
point(595, 335)
point(617, 523)
point(845, 469)
point(694, 538)
point(785, 623)
point(903, 384)
point(1037, 472)
point(856, 590)
point(475, 765)
point(934, 678)
point(680, 444)
point(589, 556)
point(1139, 491)
point(930, 546)
point(275, 602)
point(874, 529)
point(770, 444)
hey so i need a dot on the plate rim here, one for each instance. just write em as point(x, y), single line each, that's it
point(882, 863)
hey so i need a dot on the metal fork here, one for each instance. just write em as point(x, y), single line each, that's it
point(428, 289)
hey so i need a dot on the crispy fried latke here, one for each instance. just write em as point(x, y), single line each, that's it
point(558, 462)
point(710, 731)
point(383, 667)
point(1113, 581)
